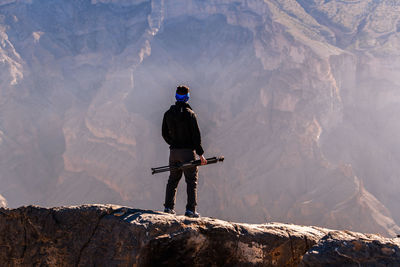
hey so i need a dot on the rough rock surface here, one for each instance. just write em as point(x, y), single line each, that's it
point(108, 235)
point(343, 248)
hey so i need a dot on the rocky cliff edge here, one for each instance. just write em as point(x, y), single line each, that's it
point(109, 235)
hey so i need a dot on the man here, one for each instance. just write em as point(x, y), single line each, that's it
point(181, 131)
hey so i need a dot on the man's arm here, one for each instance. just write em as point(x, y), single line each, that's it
point(196, 138)
point(165, 130)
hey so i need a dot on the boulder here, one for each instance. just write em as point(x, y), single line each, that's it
point(344, 248)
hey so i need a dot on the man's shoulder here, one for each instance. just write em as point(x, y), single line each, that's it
point(171, 109)
point(190, 113)
point(190, 110)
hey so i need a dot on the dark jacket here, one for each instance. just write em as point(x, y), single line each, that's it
point(180, 128)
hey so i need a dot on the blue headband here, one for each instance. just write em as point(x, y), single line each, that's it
point(182, 98)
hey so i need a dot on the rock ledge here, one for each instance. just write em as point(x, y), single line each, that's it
point(109, 235)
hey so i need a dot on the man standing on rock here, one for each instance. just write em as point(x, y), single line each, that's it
point(181, 131)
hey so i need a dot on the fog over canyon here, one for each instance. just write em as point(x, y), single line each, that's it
point(301, 97)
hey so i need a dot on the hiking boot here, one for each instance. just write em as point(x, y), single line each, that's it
point(170, 211)
point(192, 214)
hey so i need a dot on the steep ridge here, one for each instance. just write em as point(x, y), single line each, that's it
point(107, 235)
point(298, 95)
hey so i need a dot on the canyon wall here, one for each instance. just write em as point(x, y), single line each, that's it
point(299, 96)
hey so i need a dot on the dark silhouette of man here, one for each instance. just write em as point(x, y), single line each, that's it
point(181, 131)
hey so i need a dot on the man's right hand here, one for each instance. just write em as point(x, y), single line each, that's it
point(203, 160)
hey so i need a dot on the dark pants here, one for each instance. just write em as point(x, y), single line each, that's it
point(191, 175)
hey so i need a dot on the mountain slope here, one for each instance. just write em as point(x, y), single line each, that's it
point(298, 96)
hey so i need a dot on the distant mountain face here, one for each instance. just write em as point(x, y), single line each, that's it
point(300, 97)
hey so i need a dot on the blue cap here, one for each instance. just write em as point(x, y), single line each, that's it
point(182, 98)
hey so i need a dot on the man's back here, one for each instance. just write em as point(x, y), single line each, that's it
point(180, 128)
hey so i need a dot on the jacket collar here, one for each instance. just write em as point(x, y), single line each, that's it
point(183, 104)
